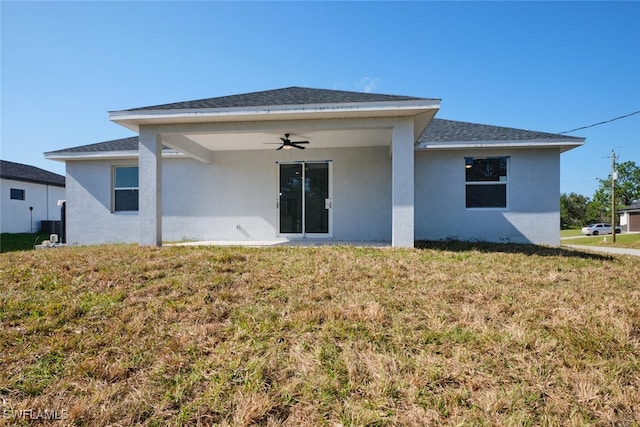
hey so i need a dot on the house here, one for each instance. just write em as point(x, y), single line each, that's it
point(630, 217)
point(29, 197)
point(368, 167)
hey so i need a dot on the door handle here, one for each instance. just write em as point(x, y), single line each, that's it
point(327, 203)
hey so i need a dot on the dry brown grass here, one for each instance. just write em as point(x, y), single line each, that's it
point(452, 334)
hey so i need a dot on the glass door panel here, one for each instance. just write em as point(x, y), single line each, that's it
point(316, 197)
point(290, 202)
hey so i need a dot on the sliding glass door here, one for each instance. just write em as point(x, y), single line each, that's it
point(304, 200)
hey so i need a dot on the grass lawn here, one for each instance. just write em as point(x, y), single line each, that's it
point(569, 233)
point(622, 241)
point(448, 334)
point(10, 242)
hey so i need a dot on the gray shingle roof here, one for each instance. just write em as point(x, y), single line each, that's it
point(286, 96)
point(26, 173)
point(632, 207)
point(441, 130)
point(124, 144)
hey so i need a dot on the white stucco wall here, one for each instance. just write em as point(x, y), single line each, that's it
point(15, 216)
point(532, 214)
point(88, 215)
point(233, 198)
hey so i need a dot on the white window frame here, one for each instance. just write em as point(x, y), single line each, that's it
point(114, 188)
point(483, 183)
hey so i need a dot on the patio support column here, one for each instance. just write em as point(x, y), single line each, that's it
point(150, 188)
point(402, 184)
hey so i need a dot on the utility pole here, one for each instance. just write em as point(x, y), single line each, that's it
point(614, 176)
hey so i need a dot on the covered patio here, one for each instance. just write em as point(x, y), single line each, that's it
point(330, 120)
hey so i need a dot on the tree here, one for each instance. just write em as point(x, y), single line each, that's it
point(573, 210)
point(627, 191)
point(628, 183)
point(598, 208)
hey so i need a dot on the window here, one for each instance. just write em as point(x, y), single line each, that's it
point(17, 194)
point(486, 182)
point(125, 188)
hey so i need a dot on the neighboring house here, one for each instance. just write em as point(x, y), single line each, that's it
point(375, 168)
point(630, 217)
point(29, 195)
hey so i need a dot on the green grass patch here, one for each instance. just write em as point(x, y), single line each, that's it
point(10, 242)
point(570, 233)
point(40, 374)
point(445, 334)
point(631, 241)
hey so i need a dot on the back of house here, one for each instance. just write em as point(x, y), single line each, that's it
point(301, 163)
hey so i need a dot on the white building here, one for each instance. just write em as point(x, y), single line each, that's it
point(630, 217)
point(28, 196)
point(369, 167)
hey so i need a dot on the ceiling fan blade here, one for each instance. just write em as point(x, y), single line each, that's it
point(287, 143)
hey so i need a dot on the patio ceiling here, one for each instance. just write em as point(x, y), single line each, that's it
point(270, 140)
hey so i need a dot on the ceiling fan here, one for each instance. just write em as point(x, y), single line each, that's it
point(287, 143)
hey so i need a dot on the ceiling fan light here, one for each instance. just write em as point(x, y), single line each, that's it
point(468, 162)
point(287, 147)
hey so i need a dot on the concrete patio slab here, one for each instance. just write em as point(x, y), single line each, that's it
point(282, 242)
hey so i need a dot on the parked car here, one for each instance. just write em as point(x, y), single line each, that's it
point(598, 228)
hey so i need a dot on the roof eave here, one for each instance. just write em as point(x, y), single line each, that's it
point(32, 181)
point(104, 155)
point(460, 145)
point(132, 119)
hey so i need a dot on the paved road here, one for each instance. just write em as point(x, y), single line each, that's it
point(619, 251)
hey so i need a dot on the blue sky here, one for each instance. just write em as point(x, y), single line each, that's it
point(547, 66)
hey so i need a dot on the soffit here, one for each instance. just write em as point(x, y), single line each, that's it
point(230, 141)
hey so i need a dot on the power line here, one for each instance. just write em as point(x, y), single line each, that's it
point(600, 123)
